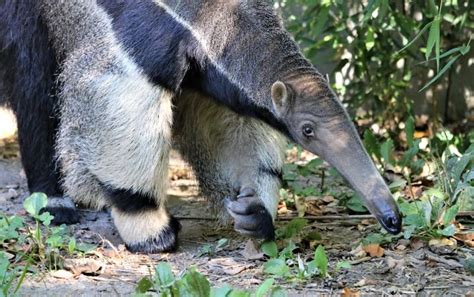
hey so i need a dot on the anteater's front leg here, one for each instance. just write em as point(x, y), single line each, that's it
point(147, 230)
point(237, 161)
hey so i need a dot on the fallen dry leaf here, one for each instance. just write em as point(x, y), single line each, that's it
point(333, 208)
point(282, 209)
point(361, 227)
point(421, 134)
point(348, 292)
point(254, 281)
point(394, 263)
point(442, 242)
point(417, 244)
point(233, 270)
point(414, 193)
point(431, 263)
point(360, 283)
point(374, 250)
point(300, 205)
point(313, 208)
point(83, 266)
point(443, 246)
point(466, 238)
point(110, 253)
point(63, 274)
point(226, 265)
point(328, 198)
point(251, 252)
point(401, 247)
point(358, 252)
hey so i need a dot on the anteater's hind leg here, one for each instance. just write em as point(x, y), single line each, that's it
point(237, 160)
point(28, 65)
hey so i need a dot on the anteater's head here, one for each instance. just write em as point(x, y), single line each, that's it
point(317, 121)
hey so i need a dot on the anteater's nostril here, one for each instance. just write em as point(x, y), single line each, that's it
point(387, 213)
point(393, 223)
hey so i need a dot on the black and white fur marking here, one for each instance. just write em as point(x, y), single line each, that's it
point(113, 103)
point(109, 86)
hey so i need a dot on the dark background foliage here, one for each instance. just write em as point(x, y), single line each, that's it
point(362, 46)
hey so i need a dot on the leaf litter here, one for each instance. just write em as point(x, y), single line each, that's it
point(397, 267)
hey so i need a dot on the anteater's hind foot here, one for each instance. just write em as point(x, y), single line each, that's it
point(63, 209)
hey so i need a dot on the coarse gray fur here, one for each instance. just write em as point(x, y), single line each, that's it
point(228, 151)
point(116, 128)
point(107, 99)
point(226, 30)
point(115, 125)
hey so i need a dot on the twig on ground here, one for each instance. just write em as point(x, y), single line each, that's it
point(195, 218)
point(104, 240)
point(358, 261)
point(328, 217)
point(439, 259)
point(316, 218)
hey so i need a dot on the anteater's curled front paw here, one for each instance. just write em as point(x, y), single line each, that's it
point(251, 218)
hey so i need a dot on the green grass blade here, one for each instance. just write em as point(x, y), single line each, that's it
point(21, 279)
point(437, 43)
point(410, 130)
point(416, 37)
point(433, 38)
point(458, 49)
point(441, 72)
point(371, 7)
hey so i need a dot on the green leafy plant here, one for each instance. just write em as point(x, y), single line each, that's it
point(408, 163)
point(192, 283)
point(29, 245)
point(292, 229)
point(210, 249)
point(285, 265)
point(433, 215)
point(48, 242)
point(11, 275)
point(434, 41)
point(292, 172)
point(375, 51)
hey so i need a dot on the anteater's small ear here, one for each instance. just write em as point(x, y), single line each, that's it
point(279, 96)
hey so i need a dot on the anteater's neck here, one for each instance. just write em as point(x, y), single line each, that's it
point(230, 50)
point(244, 43)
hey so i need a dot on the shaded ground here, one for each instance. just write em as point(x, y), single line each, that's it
point(407, 268)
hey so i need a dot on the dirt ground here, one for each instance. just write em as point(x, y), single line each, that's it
point(406, 268)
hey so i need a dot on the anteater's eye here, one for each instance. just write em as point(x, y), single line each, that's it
point(308, 130)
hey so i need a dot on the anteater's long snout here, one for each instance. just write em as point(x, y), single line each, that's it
point(339, 144)
point(382, 205)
